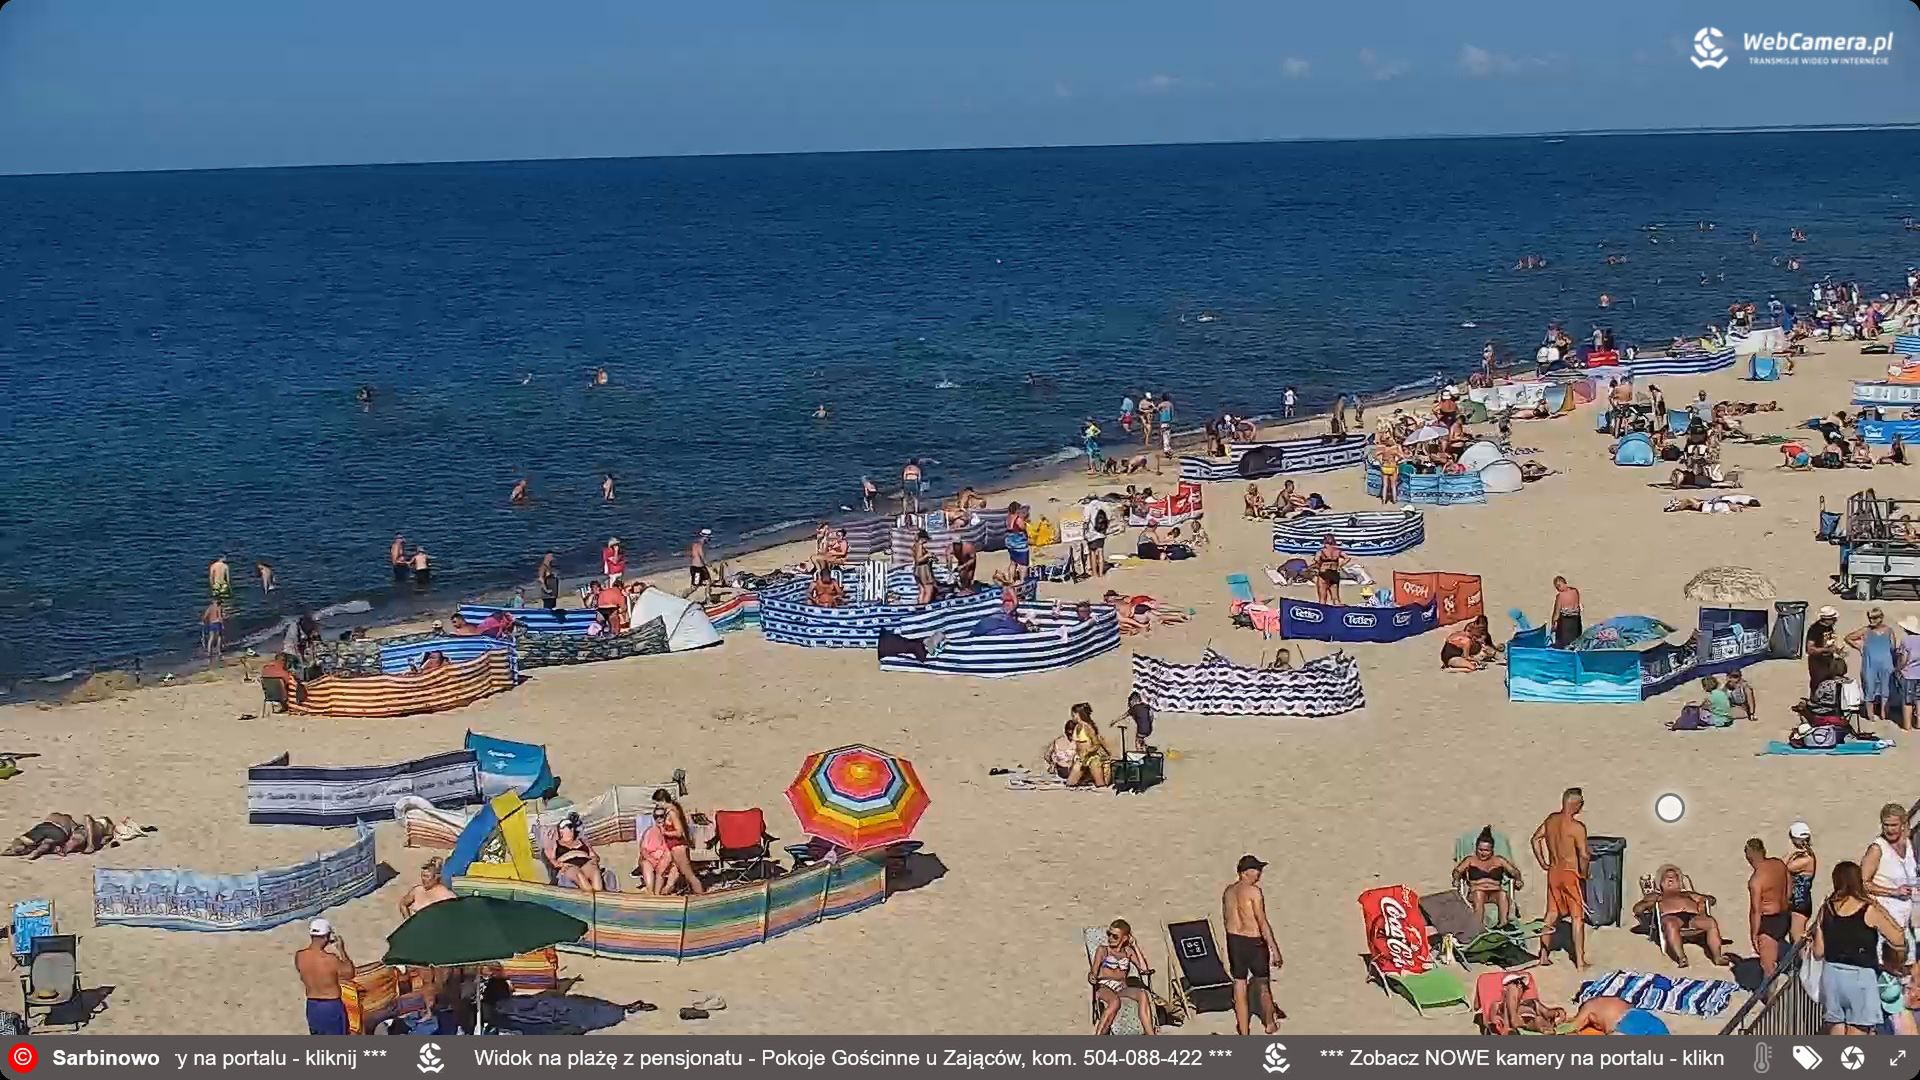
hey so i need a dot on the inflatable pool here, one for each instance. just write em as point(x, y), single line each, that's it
point(1430, 489)
point(786, 617)
point(1059, 640)
point(1370, 533)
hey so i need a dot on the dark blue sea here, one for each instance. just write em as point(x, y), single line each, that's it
point(179, 351)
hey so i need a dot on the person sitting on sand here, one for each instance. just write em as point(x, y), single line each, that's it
point(431, 890)
point(1456, 653)
point(1743, 701)
point(573, 859)
point(1287, 500)
point(1092, 760)
point(1859, 453)
point(1485, 874)
point(966, 565)
point(61, 834)
point(826, 590)
point(1107, 972)
point(1060, 755)
point(1896, 453)
point(1680, 911)
point(1256, 507)
point(431, 662)
point(833, 548)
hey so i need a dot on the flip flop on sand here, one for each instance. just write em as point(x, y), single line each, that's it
point(710, 1002)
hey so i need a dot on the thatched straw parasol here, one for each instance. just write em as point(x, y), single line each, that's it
point(1727, 584)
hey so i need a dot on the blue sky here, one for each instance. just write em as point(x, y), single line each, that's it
point(167, 84)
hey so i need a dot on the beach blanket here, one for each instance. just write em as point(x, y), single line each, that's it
point(1396, 930)
point(400, 695)
point(179, 899)
point(1183, 505)
point(1216, 686)
point(329, 796)
point(1658, 993)
point(1845, 749)
point(1025, 780)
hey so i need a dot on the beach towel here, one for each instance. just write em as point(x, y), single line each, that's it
point(1025, 780)
point(1682, 997)
point(1396, 931)
point(1846, 749)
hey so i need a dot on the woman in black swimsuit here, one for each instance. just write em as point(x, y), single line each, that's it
point(1802, 865)
point(572, 858)
point(1486, 874)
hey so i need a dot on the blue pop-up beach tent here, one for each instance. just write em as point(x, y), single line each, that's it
point(506, 766)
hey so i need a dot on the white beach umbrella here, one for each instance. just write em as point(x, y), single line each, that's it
point(1426, 434)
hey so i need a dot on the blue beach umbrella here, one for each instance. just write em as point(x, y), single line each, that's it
point(1621, 632)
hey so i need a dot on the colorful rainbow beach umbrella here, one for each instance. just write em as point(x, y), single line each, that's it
point(857, 797)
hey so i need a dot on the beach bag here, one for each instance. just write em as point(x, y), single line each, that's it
point(1689, 719)
point(1822, 737)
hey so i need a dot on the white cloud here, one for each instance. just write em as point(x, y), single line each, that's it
point(1379, 69)
point(1160, 83)
point(1479, 62)
point(1295, 68)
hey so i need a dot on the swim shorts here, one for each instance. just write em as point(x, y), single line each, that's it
point(1247, 957)
point(1565, 895)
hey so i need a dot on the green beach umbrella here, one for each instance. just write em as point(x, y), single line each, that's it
point(478, 929)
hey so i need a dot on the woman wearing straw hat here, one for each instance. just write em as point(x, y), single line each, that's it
point(1907, 680)
point(1879, 646)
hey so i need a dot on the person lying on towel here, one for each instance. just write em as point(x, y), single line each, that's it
point(499, 624)
point(61, 834)
point(1002, 621)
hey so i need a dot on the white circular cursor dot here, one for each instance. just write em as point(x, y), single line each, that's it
point(1669, 808)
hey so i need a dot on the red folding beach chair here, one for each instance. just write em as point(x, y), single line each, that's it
point(740, 840)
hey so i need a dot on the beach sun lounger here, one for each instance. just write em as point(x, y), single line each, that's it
point(1398, 955)
point(1127, 1020)
point(1202, 984)
point(1463, 846)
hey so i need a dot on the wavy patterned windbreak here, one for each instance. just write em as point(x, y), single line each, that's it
point(1216, 686)
point(1311, 454)
point(401, 695)
point(1384, 532)
point(1059, 640)
point(786, 617)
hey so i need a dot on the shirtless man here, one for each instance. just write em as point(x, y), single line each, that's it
point(697, 559)
point(220, 580)
point(606, 488)
point(1560, 846)
point(422, 568)
point(1769, 922)
point(429, 892)
point(213, 628)
point(322, 965)
point(1252, 954)
point(265, 570)
point(518, 496)
point(1680, 911)
point(397, 558)
point(1566, 613)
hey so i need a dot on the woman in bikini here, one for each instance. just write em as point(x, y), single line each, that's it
point(1092, 761)
point(572, 858)
point(1485, 875)
point(1107, 973)
point(671, 819)
point(1326, 571)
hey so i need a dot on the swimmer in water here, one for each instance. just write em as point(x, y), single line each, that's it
point(599, 377)
point(1753, 237)
point(526, 379)
point(820, 412)
point(364, 395)
point(519, 495)
point(1606, 301)
point(606, 488)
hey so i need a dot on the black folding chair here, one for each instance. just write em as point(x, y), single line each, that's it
point(1202, 984)
point(52, 978)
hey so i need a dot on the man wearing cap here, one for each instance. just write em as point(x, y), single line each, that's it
point(697, 559)
point(1823, 647)
point(1252, 954)
point(323, 965)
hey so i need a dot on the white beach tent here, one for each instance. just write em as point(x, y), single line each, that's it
point(1479, 455)
point(687, 624)
point(1501, 477)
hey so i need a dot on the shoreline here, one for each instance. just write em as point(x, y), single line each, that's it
point(411, 611)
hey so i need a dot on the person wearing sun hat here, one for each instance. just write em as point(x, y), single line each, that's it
point(1802, 867)
point(1823, 648)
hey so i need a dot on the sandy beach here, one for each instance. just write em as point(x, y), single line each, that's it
point(993, 945)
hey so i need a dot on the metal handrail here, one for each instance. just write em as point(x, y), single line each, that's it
point(1782, 1006)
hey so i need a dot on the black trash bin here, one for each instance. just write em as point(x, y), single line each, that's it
point(1606, 884)
point(1789, 637)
